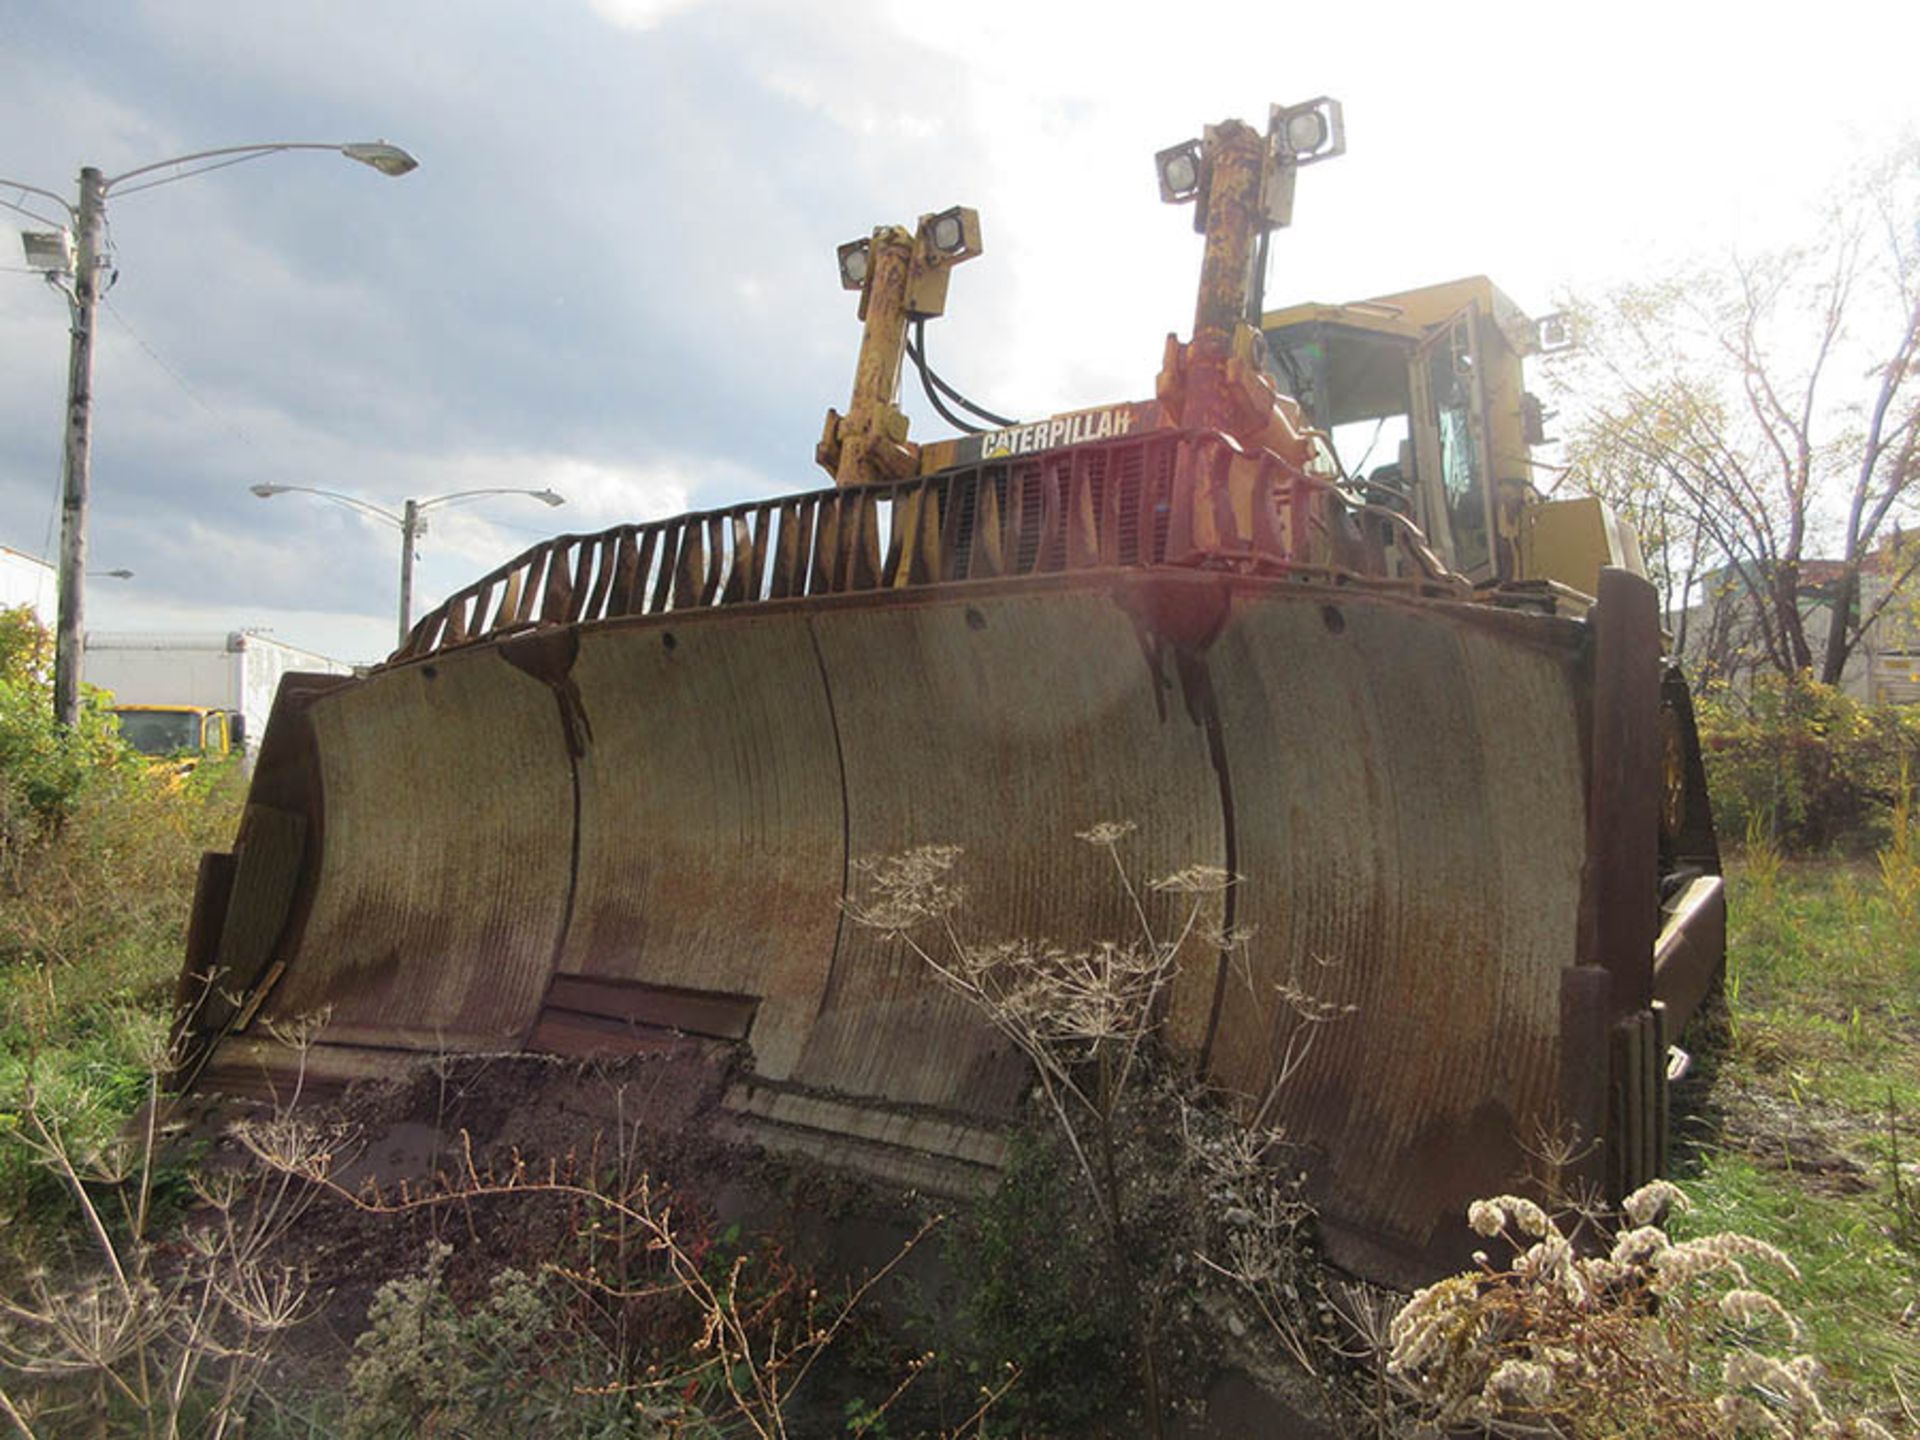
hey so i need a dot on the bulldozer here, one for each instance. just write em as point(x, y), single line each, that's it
point(618, 788)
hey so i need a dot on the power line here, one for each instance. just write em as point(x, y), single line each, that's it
point(186, 388)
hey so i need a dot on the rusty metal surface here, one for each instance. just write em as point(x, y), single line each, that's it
point(670, 805)
point(212, 889)
point(1171, 496)
point(904, 1151)
point(940, 1133)
point(586, 1037)
point(1002, 725)
point(711, 840)
point(268, 858)
point(1407, 797)
point(667, 1007)
point(445, 863)
point(1688, 956)
point(285, 782)
point(260, 1067)
point(1623, 841)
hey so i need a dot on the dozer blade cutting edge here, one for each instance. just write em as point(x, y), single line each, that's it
point(616, 789)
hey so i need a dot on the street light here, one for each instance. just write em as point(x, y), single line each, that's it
point(78, 262)
point(408, 522)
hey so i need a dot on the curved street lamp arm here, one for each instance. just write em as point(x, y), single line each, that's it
point(267, 492)
point(199, 170)
point(60, 200)
point(547, 495)
point(31, 214)
point(243, 151)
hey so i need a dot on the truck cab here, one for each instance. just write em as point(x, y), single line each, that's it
point(175, 731)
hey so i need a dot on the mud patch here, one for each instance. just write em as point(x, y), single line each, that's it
point(1808, 1139)
point(458, 1123)
point(1714, 1109)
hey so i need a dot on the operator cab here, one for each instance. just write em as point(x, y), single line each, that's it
point(1422, 395)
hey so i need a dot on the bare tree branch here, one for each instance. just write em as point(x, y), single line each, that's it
point(1718, 418)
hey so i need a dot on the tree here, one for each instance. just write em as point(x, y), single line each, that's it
point(1759, 415)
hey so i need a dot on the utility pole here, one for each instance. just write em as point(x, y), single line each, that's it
point(411, 522)
point(47, 252)
point(410, 527)
point(76, 465)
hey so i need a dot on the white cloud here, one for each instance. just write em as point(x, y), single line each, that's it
point(639, 14)
point(613, 273)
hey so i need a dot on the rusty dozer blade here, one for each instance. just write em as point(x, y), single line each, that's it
point(616, 790)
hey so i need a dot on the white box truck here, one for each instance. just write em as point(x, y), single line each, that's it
point(26, 580)
point(204, 694)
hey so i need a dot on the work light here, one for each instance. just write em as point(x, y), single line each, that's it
point(1308, 132)
point(50, 251)
point(853, 264)
point(953, 233)
point(1179, 168)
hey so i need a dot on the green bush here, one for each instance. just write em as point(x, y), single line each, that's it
point(98, 854)
point(43, 767)
point(1036, 1294)
point(1812, 769)
point(506, 1364)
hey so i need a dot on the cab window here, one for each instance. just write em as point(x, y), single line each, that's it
point(1450, 380)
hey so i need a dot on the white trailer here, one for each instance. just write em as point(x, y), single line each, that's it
point(26, 580)
point(236, 672)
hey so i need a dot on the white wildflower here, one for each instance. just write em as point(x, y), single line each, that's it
point(1195, 880)
point(1603, 1273)
point(1106, 832)
point(1416, 1329)
point(1648, 1204)
point(1680, 1265)
point(1637, 1247)
point(1741, 1414)
point(1489, 1217)
point(1524, 1382)
point(1792, 1380)
point(1545, 1261)
point(1751, 1307)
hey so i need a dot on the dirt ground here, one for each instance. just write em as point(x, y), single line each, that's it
point(459, 1121)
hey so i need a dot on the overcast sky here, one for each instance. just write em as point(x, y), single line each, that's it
point(613, 272)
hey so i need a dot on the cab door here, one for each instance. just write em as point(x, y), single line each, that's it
point(213, 734)
point(1451, 444)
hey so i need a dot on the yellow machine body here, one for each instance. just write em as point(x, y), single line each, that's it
point(1440, 369)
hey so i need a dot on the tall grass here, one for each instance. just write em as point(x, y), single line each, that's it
point(93, 914)
point(1899, 857)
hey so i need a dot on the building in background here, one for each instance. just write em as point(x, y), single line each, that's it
point(1720, 637)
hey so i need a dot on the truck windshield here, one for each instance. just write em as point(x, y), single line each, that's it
point(160, 732)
